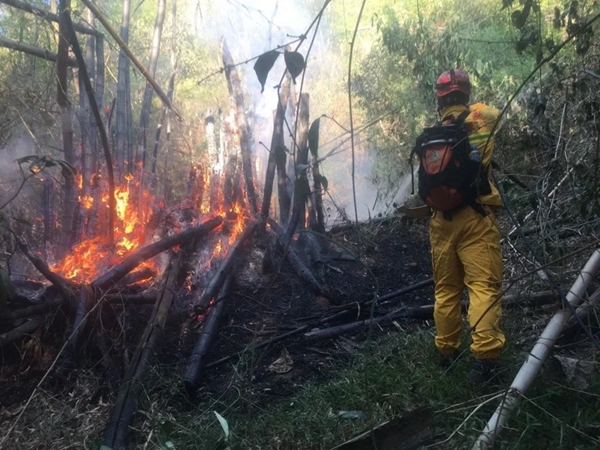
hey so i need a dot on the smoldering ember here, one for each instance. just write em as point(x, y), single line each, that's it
point(220, 229)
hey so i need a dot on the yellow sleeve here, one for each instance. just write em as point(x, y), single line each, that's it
point(481, 122)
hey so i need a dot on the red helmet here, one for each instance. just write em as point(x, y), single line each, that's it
point(453, 80)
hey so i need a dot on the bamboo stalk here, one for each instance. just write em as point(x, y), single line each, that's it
point(205, 340)
point(131, 56)
point(128, 398)
point(20, 332)
point(225, 270)
point(47, 15)
point(532, 365)
point(276, 142)
point(32, 50)
point(117, 272)
point(112, 203)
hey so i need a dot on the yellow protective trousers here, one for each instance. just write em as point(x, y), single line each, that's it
point(465, 251)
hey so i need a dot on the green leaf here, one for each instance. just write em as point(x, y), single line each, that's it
point(263, 66)
point(224, 424)
point(313, 137)
point(295, 64)
point(506, 4)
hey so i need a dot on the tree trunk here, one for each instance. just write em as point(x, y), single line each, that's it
point(122, 100)
point(235, 90)
point(216, 169)
point(145, 110)
point(67, 130)
point(276, 142)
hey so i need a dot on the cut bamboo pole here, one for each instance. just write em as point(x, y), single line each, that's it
point(530, 369)
point(225, 270)
point(128, 398)
point(205, 340)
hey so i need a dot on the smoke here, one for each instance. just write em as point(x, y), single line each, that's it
point(252, 27)
point(10, 175)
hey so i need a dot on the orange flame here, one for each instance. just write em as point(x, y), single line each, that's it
point(92, 256)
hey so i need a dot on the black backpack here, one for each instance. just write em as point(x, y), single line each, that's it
point(448, 179)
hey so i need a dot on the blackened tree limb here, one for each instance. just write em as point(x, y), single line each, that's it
point(128, 397)
point(83, 74)
point(206, 339)
point(117, 272)
point(235, 90)
point(22, 331)
point(62, 284)
point(263, 344)
point(276, 142)
point(131, 56)
point(303, 272)
point(225, 270)
point(47, 15)
point(33, 50)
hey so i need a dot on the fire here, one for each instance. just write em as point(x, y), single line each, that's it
point(93, 256)
point(87, 201)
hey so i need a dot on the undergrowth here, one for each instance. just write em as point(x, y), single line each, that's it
point(389, 377)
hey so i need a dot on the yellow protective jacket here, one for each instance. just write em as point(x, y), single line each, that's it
point(479, 124)
point(465, 252)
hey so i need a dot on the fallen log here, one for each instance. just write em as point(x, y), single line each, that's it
point(224, 270)
point(263, 344)
point(117, 272)
point(22, 331)
point(205, 340)
point(327, 333)
point(128, 397)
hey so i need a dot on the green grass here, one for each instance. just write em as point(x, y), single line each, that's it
point(387, 378)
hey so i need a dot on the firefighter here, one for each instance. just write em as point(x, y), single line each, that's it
point(465, 246)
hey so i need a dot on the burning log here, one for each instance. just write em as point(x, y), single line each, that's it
point(117, 272)
point(225, 270)
point(235, 90)
point(108, 279)
point(205, 340)
point(131, 387)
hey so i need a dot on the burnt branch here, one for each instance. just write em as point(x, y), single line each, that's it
point(225, 270)
point(117, 272)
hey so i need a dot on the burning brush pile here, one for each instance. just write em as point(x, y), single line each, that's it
point(187, 259)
